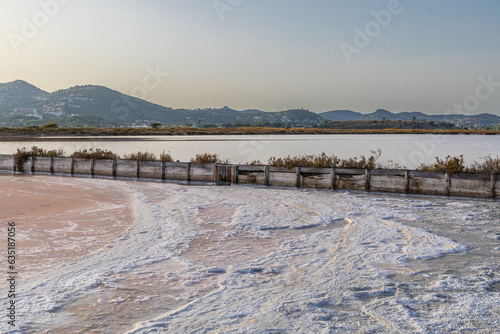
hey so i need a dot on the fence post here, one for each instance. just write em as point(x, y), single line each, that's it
point(447, 183)
point(493, 185)
point(407, 181)
point(266, 175)
point(188, 172)
point(51, 165)
point(92, 167)
point(234, 177)
point(163, 165)
point(32, 164)
point(14, 163)
point(333, 179)
point(72, 166)
point(113, 168)
point(215, 170)
point(297, 182)
point(367, 180)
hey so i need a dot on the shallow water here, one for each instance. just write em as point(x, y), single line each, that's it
point(263, 260)
point(406, 150)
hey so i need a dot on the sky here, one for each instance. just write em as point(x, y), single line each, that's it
point(437, 57)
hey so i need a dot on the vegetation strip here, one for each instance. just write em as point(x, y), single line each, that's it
point(53, 130)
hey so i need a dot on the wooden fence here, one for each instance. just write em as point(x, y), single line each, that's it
point(389, 181)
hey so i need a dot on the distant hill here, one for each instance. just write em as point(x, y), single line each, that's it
point(475, 121)
point(341, 115)
point(386, 124)
point(22, 104)
point(19, 94)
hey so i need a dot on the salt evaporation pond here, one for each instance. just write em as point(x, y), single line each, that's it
point(202, 259)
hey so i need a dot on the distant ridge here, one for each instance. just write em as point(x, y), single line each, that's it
point(477, 121)
point(23, 104)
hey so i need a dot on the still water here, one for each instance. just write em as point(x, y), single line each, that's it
point(407, 150)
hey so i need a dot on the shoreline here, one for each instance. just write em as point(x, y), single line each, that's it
point(16, 133)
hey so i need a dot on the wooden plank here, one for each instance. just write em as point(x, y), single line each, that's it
point(245, 168)
point(426, 175)
point(310, 170)
point(282, 170)
point(346, 171)
point(388, 172)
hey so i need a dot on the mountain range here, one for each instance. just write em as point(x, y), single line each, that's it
point(23, 104)
point(474, 121)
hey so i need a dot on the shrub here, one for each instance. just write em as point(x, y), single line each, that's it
point(255, 163)
point(451, 165)
point(488, 167)
point(363, 162)
point(316, 161)
point(20, 158)
point(96, 154)
point(141, 156)
point(208, 158)
point(166, 157)
point(50, 126)
point(22, 155)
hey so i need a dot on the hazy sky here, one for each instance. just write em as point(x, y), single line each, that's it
point(321, 55)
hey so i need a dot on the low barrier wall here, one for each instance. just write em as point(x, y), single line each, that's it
point(390, 181)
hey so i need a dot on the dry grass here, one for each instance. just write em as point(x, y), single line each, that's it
point(208, 158)
point(166, 157)
point(22, 155)
point(450, 165)
point(96, 154)
point(324, 160)
point(488, 167)
point(141, 156)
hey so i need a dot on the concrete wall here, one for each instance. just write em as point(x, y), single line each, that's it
point(391, 181)
point(202, 173)
point(150, 170)
point(82, 166)
point(6, 162)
